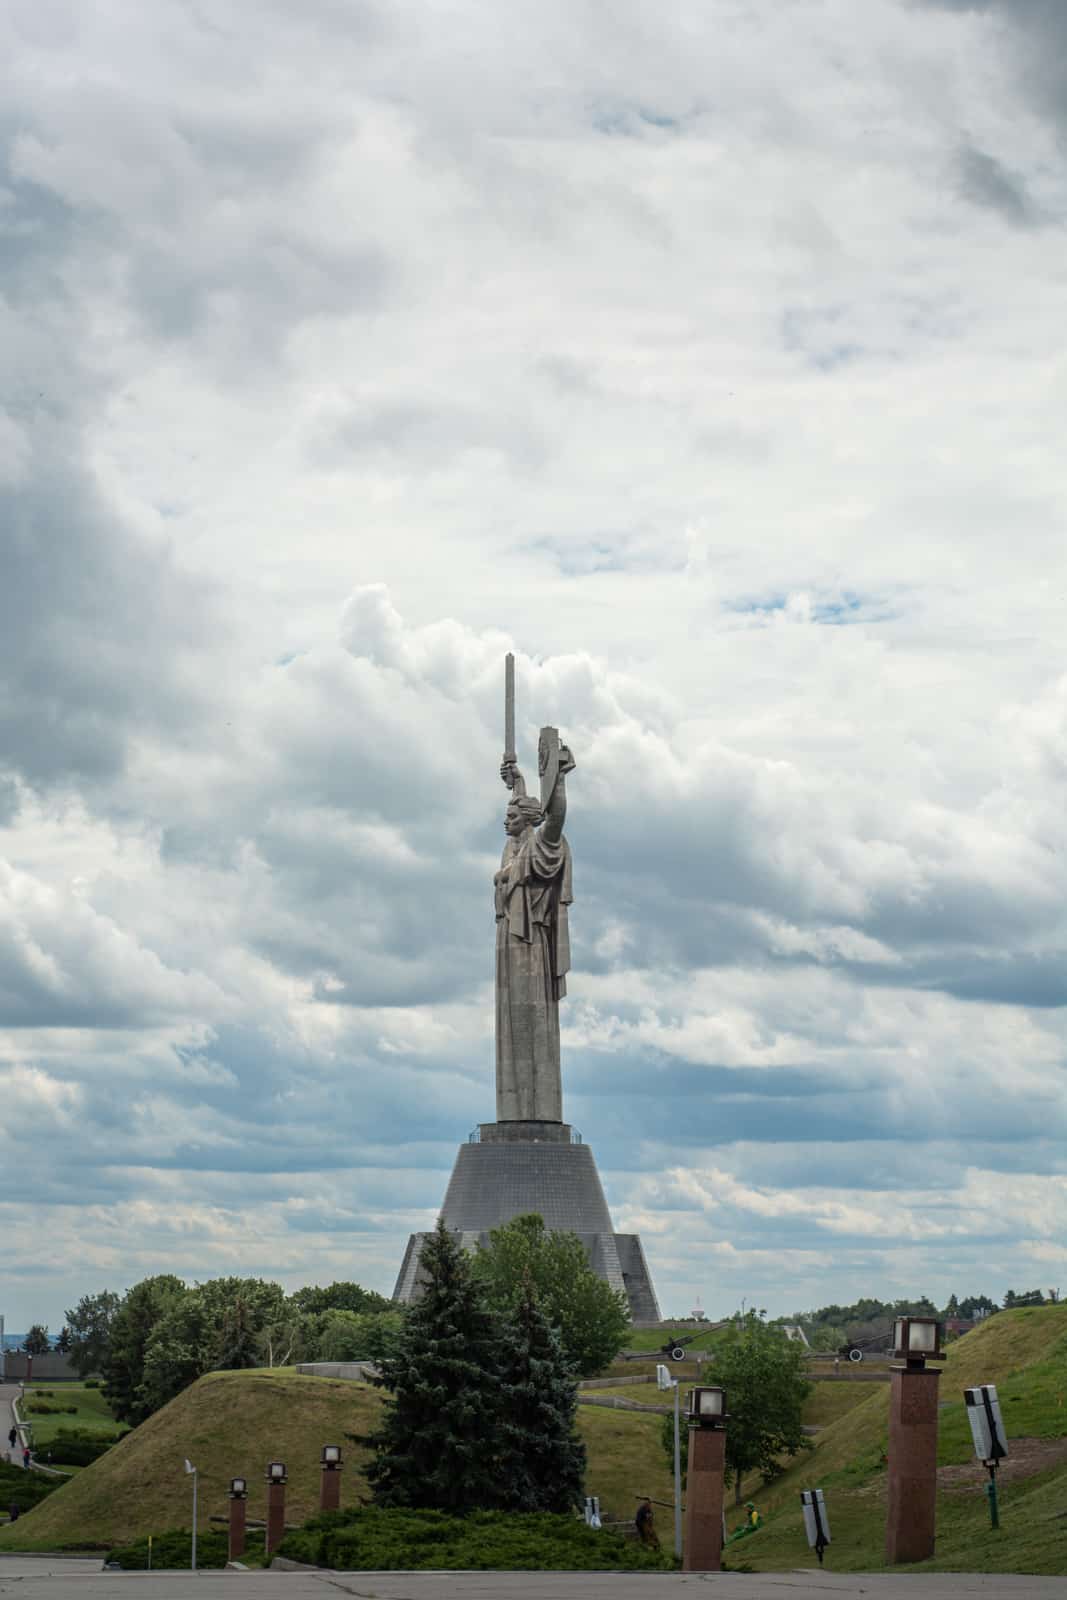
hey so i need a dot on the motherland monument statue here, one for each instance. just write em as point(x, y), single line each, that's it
point(529, 1159)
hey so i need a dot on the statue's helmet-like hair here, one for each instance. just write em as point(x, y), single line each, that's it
point(528, 808)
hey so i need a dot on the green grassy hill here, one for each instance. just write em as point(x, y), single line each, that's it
point(233, 1423)
point(227, 1424)
point(1024, 1353)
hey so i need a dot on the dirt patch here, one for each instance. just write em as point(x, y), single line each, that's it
point(1027, 1457)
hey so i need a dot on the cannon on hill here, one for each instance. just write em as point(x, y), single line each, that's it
point(673, 1347)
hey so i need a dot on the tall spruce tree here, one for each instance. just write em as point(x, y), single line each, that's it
point(441, 1443)
point(544, 1459)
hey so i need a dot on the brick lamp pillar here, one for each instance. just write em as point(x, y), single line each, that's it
point(330, 1488)
point(238, 1513)
point(276, 1481)
point(911, 1497)
point(704, 1483)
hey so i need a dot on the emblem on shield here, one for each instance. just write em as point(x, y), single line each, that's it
point(548, 762)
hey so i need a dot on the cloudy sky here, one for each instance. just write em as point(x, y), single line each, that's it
point(708, 355)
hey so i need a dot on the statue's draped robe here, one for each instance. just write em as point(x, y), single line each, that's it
point(533, 957)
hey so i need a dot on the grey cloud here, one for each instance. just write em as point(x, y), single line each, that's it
point(761, 1105)
point(191, 212)
point(10, 801)
point(97, 621)
point(1038, 31)
point(249, 292)
point(411, 432)
point(987, 182)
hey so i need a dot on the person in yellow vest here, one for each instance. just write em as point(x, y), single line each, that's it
point(752, 1521)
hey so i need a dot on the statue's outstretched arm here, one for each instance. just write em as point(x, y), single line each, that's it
point(556, 810)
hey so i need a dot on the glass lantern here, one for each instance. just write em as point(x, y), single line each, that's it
point(707, 1406)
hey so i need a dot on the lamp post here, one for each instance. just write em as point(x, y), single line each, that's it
point(330, 1488)
point(665, 1381)
point(190, 1468)
point(238, 1513)
point(911, 1504)
point(276, 1481)
point(704, 1490)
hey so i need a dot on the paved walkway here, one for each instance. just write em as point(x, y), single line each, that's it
point(54, 1578)
point(9, 1392)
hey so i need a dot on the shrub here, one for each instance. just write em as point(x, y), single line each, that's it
point(92, 1383)
point(173, 1549)
point(41, 1408)
point(25, 1489)
point(376, 1538)
point(75, 1447)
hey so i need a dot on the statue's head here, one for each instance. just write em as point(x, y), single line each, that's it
point(523, 812)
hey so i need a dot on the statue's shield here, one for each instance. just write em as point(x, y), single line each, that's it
point(548, 762)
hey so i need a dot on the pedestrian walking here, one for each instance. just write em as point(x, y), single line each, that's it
point(26, 1457)
point(646, 1524)
point(12, 1436)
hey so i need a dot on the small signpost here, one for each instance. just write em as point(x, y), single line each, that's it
point(816, 1524)
point(990, 1440)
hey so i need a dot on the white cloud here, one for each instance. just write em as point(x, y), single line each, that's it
point(346, 355)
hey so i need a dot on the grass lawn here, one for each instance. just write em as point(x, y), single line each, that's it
point(647, 1393)
point(93, 1413)
point(687, 1371)
point(653, 1339)
point(1024, 1353)
point(626, 1459)
point(828, 1401)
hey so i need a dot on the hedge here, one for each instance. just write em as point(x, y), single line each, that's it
point(373, 1538)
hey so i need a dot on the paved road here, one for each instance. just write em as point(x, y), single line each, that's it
point(49, 1578)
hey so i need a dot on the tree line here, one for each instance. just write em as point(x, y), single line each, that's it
point(162, 1334)
point(867, 1320)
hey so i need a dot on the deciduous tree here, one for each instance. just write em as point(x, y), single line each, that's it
point(219, 1324)
point(765, 1378)
point(143, 1308)
point(89, 1325)
point(339, 1297)
point(592, 1318)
